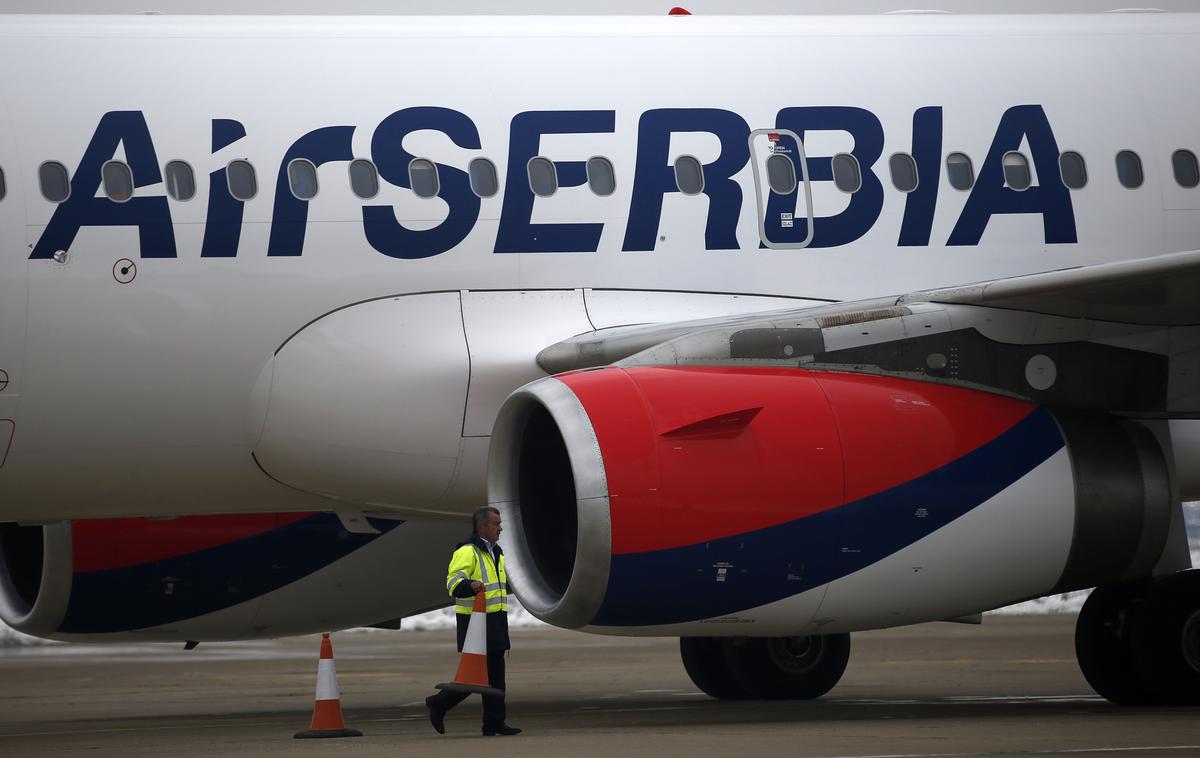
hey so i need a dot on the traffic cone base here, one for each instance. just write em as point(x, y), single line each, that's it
point(472, 675)
point(327, 709)
point(309, 734)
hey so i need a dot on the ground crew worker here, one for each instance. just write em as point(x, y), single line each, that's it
point(478, 564)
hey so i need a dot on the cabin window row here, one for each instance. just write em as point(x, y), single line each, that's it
point(1072, 170)
point(242, 180)
point(118, 182)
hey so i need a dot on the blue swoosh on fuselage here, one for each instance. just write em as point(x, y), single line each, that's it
point(186, 586)
point(680, 584)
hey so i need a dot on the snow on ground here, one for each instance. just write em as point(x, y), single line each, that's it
point(1071, 602)
point(444, 619)
point(1067, 602)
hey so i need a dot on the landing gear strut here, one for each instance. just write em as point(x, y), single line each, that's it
point(1139, 644)
point(768, 668)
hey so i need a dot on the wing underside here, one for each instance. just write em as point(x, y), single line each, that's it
point(1121, 337)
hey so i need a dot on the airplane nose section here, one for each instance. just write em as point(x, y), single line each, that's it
point(366, 403)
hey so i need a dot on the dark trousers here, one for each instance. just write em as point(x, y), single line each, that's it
point(493, 707)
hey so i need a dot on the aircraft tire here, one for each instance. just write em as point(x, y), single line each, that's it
point(706, 664)
point(1104, 649)
point(1165, 639)
point(788, 668)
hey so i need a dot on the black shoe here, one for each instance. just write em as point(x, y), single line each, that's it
point(503, 730)
point(436, 716)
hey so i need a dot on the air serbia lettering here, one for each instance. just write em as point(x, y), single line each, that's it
point(654, 179)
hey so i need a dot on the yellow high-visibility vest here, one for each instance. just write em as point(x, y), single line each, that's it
point(470, 564)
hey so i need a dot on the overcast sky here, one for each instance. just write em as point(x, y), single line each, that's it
point(568, 7)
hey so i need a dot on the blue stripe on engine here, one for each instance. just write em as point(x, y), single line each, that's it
point(191, 585)
point(684, 584)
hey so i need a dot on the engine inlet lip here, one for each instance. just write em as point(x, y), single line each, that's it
point(579, 603)
point(44, 617)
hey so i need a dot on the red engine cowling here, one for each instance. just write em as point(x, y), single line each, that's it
point(760, 500)
point(216, 577)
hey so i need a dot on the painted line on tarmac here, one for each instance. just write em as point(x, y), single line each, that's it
point(960, 661)
point(124, 729)
point(641, 710)
point(956, 699)
point(1024, 698)
point(177, 727)
point(1060, 751)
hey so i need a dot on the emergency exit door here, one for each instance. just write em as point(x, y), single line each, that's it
point(782, 189)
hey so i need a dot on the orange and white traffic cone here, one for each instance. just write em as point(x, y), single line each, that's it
point(327, 710)
point(472, 673)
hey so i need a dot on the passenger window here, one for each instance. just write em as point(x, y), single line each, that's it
point(54, 181)
point(1073, 170)
point(1187, 170)
point(302, 179)
point(483, 177)
point(781, 174)
point(960, 171)
point(117, 180)
point(601, 176)
point(689, 175)
point(243, 184)
point(181, 182)
point(543, 179)
point(364, 179)
point(904, 172)
point(846, 174)
point(1129, 169)
point(1016, 171)
point(423, 177)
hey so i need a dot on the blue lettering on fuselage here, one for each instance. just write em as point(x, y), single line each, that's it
point(516, 233)
point(920, 203)
point(289, 219)
point(653, 179)
point(867, 203)
point(151, 215)
point(223, 228)
point(384, 232)
point(991, 195)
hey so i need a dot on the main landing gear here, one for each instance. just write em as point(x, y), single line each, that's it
point(1139, 644)
point(766, 668)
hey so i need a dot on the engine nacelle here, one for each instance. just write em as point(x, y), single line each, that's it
point(781, 501)
point(216, 577)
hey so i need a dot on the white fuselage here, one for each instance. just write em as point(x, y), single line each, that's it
point(137, 398)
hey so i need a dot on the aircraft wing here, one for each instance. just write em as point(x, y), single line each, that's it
point(1121, 337)
point(1161, 291)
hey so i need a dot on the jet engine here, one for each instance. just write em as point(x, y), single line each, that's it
point(774, 502)
point(216, 577)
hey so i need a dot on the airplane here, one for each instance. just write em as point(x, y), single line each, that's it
point(759, 330)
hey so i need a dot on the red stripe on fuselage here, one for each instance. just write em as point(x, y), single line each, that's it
point(117, 543)
point(821, 439)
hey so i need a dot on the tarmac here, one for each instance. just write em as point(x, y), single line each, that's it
point(1010, 687)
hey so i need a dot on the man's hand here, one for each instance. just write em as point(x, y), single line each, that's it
point(477, 586)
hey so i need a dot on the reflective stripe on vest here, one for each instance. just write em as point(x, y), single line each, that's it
point(495, 593)
point(455, 579)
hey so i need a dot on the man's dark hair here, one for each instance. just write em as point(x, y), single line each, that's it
point(482, 516)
